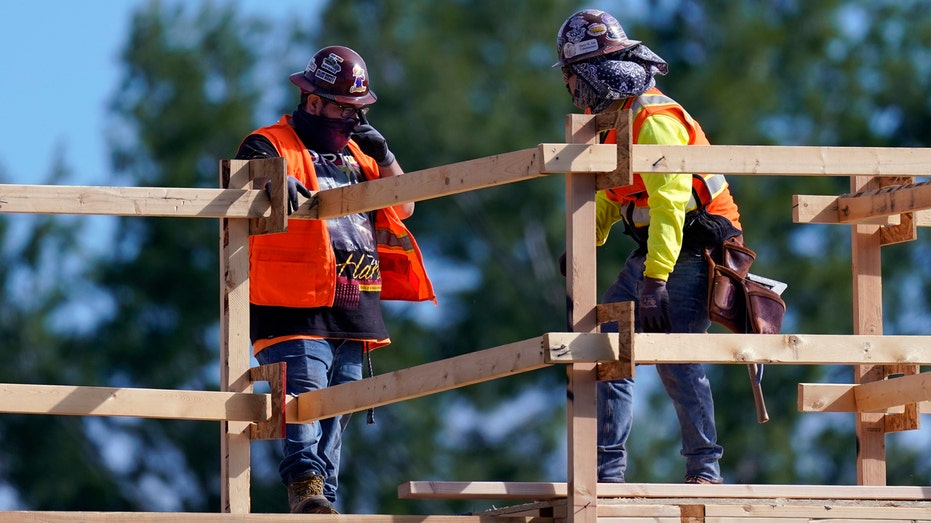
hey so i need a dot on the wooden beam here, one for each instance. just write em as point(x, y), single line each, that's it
point(866, 269)
point(575, 347)
point(782, 160)
point(840, 397)
point(886, 201)
point(801, 349)
point(545, 490)
point(422, 380)
point(235, 471)
point(134, 201)
point(882, 395)
point(807, 208)
point(140, 403)
point(455, 178)
point(577, 158)
point(581, 300)
point(192, 517)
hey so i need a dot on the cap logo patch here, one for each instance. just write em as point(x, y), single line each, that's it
point(329, 66)
point(358, 80)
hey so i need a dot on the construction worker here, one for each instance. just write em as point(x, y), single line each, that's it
point(672, 218)
point(315, 290)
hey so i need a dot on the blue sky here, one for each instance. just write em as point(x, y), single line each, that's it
point(60, 68)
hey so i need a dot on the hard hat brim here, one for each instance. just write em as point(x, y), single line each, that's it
point(301, 81)
point(620, 46)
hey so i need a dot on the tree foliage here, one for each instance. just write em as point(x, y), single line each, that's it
point(456, 81)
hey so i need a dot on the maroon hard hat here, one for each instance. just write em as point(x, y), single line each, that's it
point(589, 33)
point(337, 73)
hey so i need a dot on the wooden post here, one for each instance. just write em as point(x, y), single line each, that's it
point(867, 311)
point(581, 397)
point(234, 343)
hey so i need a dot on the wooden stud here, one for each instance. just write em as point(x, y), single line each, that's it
point(234, 344)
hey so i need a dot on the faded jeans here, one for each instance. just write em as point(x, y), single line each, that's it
point(314, 448)
point(686, 384)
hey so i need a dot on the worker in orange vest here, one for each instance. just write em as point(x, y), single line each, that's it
point(316, 290)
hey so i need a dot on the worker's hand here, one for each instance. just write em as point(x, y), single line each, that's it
point(562, 264)
point(294, 187)
point(373, 144)
point(654, 306)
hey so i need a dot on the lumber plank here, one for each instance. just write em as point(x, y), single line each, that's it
point(434, 182)
point(821, 511)
point(577, 158)
point(782, 160)
point(839, 397)
point(895, 199)
point(807, 208)
point(422, 380)
point(803, 349)
point(547, 491)
point(141, 403)
point(201, 517)
point(235, 471)
point(581, 301)
point(134, 201)
point(866, 269)
point(579, 347)
point(881, 395)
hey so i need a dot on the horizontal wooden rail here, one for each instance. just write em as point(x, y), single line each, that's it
point(139, 403)
point(190, 517)
point(544, 490)
point(782, 160)
point(134, 201)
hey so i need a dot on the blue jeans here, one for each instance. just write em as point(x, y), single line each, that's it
point(314, 448)
point(686, 384)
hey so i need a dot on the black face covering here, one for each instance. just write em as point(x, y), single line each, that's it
point(324, 135)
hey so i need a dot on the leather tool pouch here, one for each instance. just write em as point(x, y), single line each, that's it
point(735, 302)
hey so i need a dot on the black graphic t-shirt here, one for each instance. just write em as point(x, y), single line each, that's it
point(356, 311)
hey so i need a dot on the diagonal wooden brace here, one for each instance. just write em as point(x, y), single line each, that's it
point(274, 427)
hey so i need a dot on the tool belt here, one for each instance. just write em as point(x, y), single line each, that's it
point(739, 304)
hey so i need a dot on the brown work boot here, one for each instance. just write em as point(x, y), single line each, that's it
point(701, 480)
point(305, 496)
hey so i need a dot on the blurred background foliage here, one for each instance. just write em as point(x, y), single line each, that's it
point(456, 80)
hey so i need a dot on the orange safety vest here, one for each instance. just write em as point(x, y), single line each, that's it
point(711, 189)
point(297, 268)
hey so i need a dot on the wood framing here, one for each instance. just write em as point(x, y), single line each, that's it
point(545, 491)
point(234, 343)
point(69, 400)
point(885, 205)
point(782, 160)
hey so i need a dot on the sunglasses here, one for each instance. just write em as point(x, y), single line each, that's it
point(347, 111)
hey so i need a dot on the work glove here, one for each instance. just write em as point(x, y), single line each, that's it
point(294, 187)
point(654, 306)
point(372, 143)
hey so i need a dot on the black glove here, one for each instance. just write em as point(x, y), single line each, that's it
point(294, 187)
point(654, 306)
point(373, 143)
point(562, 264)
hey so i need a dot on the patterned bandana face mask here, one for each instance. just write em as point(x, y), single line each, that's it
point(600, 80)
